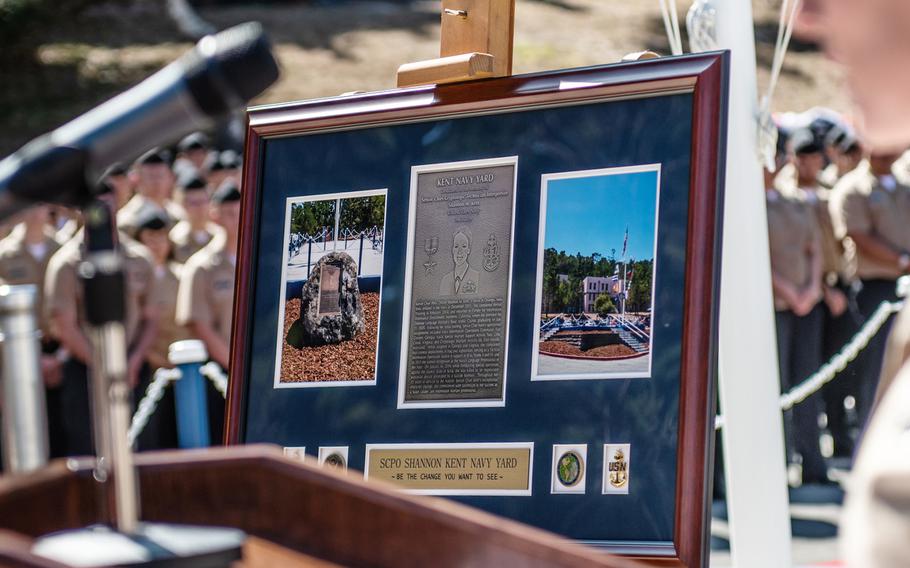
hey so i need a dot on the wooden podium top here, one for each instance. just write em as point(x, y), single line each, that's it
point(295, 513)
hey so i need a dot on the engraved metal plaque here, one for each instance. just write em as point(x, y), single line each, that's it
point(457, 302)
point(329, 290)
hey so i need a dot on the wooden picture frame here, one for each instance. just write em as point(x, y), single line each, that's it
point(701, 80)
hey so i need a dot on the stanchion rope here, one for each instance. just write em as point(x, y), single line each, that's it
point(212, 371)
point(162, 378)
point(837, 363)
point(149, 403)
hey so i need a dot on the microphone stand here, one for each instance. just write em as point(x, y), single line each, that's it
point(102, 277)
point(130, 542)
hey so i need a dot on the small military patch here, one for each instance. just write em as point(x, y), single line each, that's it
point(616, 468)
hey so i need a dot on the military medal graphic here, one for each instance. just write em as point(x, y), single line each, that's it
point(491, 254)
point(431, 247)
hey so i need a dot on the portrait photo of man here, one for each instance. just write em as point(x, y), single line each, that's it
point(463, 279)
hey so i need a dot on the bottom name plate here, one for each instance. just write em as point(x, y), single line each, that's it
point(453, 469)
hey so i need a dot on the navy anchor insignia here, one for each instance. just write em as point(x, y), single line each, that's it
point(491, 254)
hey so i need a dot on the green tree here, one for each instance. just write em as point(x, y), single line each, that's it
point(550, 280)
point(640, 288)
point(603, 305)
point(362, 213)
point(309, 218)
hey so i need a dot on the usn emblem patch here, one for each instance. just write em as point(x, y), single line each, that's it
point(616, 470)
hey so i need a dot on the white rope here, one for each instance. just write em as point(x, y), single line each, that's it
point(671, 24)
point(212, 371)
point(784, 32)
point(837, 363)
point(153, 394)
point(767, 133)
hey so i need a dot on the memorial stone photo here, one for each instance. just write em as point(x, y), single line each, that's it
point(458, 297)
point(332, 276)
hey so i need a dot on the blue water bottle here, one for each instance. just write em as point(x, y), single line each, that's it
point(190, 393)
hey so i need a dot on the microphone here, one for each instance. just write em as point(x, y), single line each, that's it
point(221, 73)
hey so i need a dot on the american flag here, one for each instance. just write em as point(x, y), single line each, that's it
point(625, 242)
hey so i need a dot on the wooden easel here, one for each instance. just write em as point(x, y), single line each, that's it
point(477, 37)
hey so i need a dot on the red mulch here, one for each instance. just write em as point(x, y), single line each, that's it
point(562, 348)
point(610, 351)
point(353, 360)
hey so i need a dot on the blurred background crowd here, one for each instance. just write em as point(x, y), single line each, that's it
point(178, 214)
point(838, 241)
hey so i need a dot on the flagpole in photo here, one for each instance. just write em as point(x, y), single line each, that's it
point(624, 295)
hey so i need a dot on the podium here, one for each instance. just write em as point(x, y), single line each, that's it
point(294, 513)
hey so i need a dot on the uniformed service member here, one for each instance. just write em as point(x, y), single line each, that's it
point(870, 209)
point(24, 256)
point(837, 324)
point(196, 230)
point(119, 179)
point(192, 154)
point(152, 233)
point(796, 275)
point(64, 305)
point(206, 295)
point(844, 152)
point(154, 182)
point(222, 166)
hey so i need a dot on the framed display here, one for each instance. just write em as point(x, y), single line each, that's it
point(497, 292)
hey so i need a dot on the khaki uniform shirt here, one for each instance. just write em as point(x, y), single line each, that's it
point(18, 266)
point(207, 289)
point(63, 290)
point(834, 260)
point(793, 235)
point(167, 282)
point(186, 243)
point(861, 204)
point(128, 215)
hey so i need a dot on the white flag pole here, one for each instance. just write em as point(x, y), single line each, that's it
point(752, 435)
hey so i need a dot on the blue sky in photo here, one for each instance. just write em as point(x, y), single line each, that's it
point(590, 214)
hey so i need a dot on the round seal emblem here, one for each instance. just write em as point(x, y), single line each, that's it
point(569, 469)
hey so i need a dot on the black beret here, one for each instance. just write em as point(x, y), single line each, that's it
point(190, 180)
point(153, 156)
point(194, 141)
point(225, 160)
point(821, 126)
point(805, 141)
point(150, 218)
point(842, 138)
point(227, 191)
point(115, 169)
